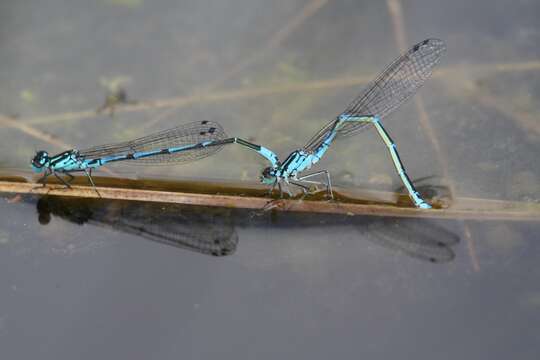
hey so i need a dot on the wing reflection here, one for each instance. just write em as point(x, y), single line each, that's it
point(205, 230)
point(418, 238)
point(212, 231)
point(423, 239)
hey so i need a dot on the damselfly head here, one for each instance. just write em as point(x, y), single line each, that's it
point(268, 176)
point(40, 161)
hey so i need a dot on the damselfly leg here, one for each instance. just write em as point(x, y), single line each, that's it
point(49, 172)
point(89, 175)
point(68, 182)
point(328, 183)
point(43, 179)
point(181, 144)
point(287, 189)
point(271, 190)
point(304, 188)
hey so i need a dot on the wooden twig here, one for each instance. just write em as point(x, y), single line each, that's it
point(462, 208)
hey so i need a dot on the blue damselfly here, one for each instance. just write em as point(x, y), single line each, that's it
point(401, 79)
point(197, 140)
point(184, 143)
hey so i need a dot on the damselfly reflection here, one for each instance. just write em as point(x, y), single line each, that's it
point(423, 239)
point(419, 238)
point(207, 231)
point(213, 231)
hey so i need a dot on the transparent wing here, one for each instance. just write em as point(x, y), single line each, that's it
point(316, 141)
point(186, 134)
point(390, 89)
point(396, 84)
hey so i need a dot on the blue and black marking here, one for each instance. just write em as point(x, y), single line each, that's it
point(401, 80)
point(194, 141)
point(187, 142)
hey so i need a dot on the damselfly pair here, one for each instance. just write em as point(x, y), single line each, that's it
point(197, 140)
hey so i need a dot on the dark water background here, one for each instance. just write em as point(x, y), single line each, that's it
point(81, 280)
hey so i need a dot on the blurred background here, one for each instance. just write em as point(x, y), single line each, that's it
point(81, 286)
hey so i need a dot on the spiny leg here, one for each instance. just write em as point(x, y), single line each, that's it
point(43, 179)
point(286, 185)
point(392, 148)
point(271, 204)
point(71, 177)
point(305, 189)
point(62, 179)
point(272, 188)
point(328, 184)
point(280, 187)
point(89, 175)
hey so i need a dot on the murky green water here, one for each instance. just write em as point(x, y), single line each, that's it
point(80, 279)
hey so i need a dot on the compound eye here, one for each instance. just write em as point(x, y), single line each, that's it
point(40, 159)
point(267, 172)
